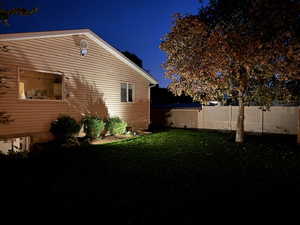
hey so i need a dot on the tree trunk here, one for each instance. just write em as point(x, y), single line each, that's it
point(239, 136)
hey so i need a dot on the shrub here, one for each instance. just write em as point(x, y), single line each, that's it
point(64, 127)
point(116, 126)
point(93, 126)
point(70, 142)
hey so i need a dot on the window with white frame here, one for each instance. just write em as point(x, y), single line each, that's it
point(127, 92)
point(40, 85)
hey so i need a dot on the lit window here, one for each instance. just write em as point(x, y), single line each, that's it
point(40, 85)
point(127, 92)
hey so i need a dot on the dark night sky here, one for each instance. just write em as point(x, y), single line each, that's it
point(133, 25)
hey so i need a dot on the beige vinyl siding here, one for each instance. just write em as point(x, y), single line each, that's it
point(91, 84)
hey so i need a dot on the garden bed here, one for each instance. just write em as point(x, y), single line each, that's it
point(110, 139)
point(114, 138)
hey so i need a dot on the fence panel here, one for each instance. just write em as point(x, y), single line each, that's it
point(280, 119)
point(183, 118)
point(217, 118)
point(253, 119)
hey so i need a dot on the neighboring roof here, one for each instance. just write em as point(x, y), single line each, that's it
point(88, 33)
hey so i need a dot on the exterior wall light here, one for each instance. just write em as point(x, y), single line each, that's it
point(83, 47)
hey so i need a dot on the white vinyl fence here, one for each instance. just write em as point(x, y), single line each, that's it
point(280, 119)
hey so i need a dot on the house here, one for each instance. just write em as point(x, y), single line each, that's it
point(71, 72)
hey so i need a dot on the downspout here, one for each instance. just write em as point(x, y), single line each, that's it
point(149, 98)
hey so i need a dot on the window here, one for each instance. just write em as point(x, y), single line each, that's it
point(127, 92)
point(40, 85)
point(15, 144)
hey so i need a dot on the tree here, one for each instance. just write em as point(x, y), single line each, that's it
point(5, 14)
point(163, 96)
point(134, 58)
point(247, 48)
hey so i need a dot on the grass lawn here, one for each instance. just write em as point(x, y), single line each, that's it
point(170, 166)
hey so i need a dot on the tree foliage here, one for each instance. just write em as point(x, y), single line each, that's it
point(134, 58)
point(163, 96)
point(247, 48)
point(5, 14)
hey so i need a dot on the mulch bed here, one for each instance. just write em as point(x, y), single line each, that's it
point(110, 139)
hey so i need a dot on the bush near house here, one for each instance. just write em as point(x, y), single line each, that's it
point(93, 126)
point(116, 126)
point(64, 127)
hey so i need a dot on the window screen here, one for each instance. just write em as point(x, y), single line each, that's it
point(127, 92)
point(123, 92)
point(130, 93)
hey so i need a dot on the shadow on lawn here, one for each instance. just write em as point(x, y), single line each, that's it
point(111, 179)
point(255, 138)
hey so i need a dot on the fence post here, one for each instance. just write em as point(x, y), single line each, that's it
point(198, 117)
point(230, 117)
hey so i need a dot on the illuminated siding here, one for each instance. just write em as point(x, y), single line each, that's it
point(91, 83)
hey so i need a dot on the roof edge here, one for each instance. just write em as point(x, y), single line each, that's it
point(43, 34)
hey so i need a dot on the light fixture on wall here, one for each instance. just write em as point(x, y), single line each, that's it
point(83, 47)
